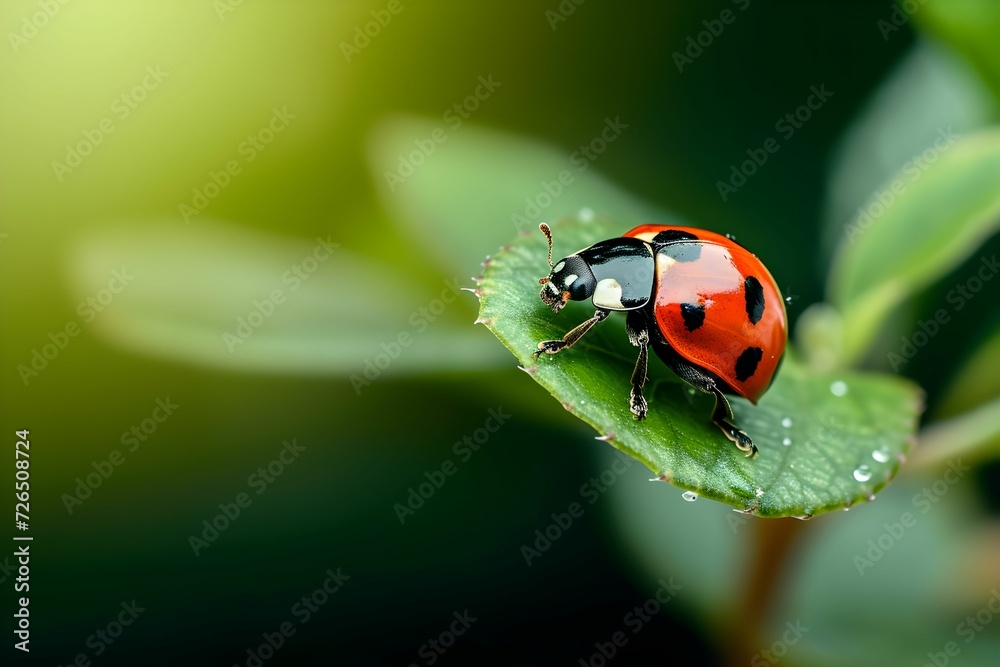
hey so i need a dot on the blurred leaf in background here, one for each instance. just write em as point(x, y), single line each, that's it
point(203, 151)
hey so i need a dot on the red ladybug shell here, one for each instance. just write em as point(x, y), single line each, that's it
point(717, 306)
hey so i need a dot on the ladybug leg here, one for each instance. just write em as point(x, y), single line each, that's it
point(575, 334)
point(638, 335)
point(723, 415)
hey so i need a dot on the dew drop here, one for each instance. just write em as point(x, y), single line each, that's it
point(881, 454)
point(787, 441)
point(786, 422)
point(862, 473)
point(689, 496)
point(838, 388)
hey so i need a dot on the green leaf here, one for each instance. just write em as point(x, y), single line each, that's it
point(932, 89)
point(977, 381)
point(846, 432)
point(885, 593)
point(925, 230)
point(971, 406)
point(480, 187)
point(192, 288)
point(971, 27)
point(851, 581)
point(974, 435)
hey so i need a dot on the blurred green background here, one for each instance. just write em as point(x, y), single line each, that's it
point(229, 161)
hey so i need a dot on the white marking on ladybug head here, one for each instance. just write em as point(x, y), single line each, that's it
point(608, 294)
point(559, 267)
point(568, 280)
point(551, 286)
point(663, 264)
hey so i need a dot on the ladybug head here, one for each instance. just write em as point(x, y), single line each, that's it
point(570, 279)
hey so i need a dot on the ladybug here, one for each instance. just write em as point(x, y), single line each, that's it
point(708, 307)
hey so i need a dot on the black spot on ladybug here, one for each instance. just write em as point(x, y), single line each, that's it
point(754, 295)
point(671, 235)
point(746, 364)
point(682, 252)
point(693, 314)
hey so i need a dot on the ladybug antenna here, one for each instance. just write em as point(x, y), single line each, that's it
point(548, 234)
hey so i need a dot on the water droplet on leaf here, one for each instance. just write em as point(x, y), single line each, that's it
point(881, 454)
point(862, 473)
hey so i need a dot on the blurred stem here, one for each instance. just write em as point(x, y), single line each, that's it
point(967, 435)
point(773, 542)
point(820, 337)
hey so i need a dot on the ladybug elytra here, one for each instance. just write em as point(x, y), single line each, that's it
point(707, 306)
